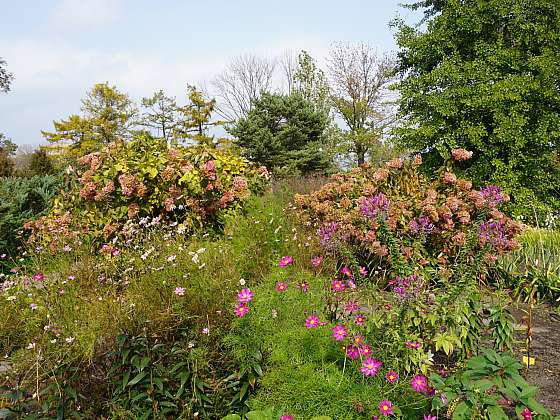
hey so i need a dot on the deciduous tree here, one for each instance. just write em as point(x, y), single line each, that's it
point(485, 76)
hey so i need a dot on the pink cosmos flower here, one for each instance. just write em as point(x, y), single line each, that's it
point(312, 322)
point(281, 286)
point(526, 414)
point(351, 307)
point(285, 261)
point(359, 319)
point(39, 277)
point(413, 345)
point(353, 351)
point(392, 376)
point(303, 286)
point(351, 284)
point(358, 339)
point(180, 291)
point(419, 383)
point(316, 261)
point(115, 252)
point(429, 417)
point(241, 310)
point(286, 417)
point(370, 366)
point(366, 350)
point(386, 408)
point(337, 286)
point(245, 296)
point(206, 331)
point(363, 271)
point(346, 271)
point(339, 332)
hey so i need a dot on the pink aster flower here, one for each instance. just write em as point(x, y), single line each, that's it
point(413, 345)
point(285, 261)
point(339, 332)
point(370, 366)
point(39, 277)
point(337, 286)
point(363, 271)
point(392, 376)
point(352, 351)
point(366, 350)
point(351, 307)
point(241, 310)
point(386, 408)
point(419, 383)
point(180, 291)
point(316, 261)
point(281, 286)
point(245, 296)
point(312, 322)
point(359, 319)
point(346, 271)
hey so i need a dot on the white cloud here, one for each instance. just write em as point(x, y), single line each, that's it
point(84, 13)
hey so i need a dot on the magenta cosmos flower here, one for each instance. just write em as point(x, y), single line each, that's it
point(241, 310)
point(312, 322)
point(429, 417)
point(363, 271)
point(351, 307)
point(39, 277)
point(179, 291)
point(392, 376)
point(316, 261)
point(370, 366)
point(339, 332)
point(281, 286)
point(527, 414)
point(285, 261)
point(386, 408)
point(413, 345)
point(366, 350)
point(419, 383)
point(353, 351)
point(337, 286)
point(303, 286)
point(346, 271)
point(286, 417)
point(360, 319)
point(245, 296)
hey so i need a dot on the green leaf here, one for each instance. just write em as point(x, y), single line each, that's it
point(496, 413)
point(137, 379)
point(232, 417)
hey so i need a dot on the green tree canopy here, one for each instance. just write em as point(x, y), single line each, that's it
point(283, 131)
point(485, 76)
point(107, 116)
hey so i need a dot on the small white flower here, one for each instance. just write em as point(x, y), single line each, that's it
point(242, 282)
point(11, 298)
point(31, 346)
point(171, 258)
point(69, 340)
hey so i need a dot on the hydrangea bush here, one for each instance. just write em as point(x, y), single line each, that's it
point(143, 178)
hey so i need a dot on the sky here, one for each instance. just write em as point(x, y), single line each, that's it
point(58, 49)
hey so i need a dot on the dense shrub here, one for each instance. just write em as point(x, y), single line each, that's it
point(22, 199)
point(400, 220)
point(193, 186)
